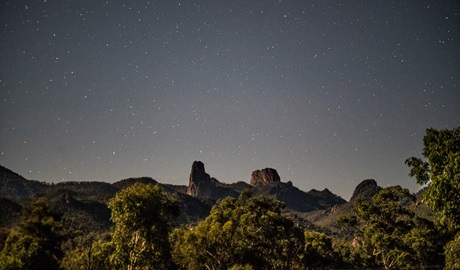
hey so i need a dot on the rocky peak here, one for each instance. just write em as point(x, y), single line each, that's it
point(204, 186)
point(365, 190)
point(199, 181)
point(264, 177)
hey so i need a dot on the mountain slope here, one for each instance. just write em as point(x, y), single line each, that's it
point(14, 186)
point(265, 182)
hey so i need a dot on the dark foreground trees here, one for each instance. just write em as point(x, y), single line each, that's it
point(243, 233)
point(440, 172)
point(143, 219)
point(252, 233)
point(388, 234)
point(143, 216)
point(255, 232)
point(35, 242)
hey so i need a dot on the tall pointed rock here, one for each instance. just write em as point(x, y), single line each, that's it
point(204, 186)
point(200, 184)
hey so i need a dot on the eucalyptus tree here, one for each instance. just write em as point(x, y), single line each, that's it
point(35, 242)
point(142, 216)
point(243, 233)
point(440, 172)
point(388, 234)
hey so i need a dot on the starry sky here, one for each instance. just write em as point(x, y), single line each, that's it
point(328, 93)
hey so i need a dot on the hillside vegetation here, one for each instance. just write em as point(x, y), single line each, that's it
point(138, 223)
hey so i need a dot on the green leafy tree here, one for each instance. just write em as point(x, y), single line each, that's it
point(87, 252)
point(243, 233)
point(452, 251)
point(319, 252)
point(440, 171)
point(387, 234)
point(35, 242)
point(347, 256)
point(143, 216)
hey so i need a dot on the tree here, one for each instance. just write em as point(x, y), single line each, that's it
point(452, 251)
point(143, 216)
point(87, 252)
point(35, 242)
point(318, 251)
point(387, 234)
point(243, 233)
point(440, 172)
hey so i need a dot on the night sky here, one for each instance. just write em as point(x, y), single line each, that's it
point(328, 93)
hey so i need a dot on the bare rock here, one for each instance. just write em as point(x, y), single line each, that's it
point(264, 177)
point(199, 181)
point(365, 190)
point(204, 186)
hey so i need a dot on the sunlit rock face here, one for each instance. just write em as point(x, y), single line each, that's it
point(264, 177)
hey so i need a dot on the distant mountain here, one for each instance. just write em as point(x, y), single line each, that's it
point(14, 186)
point(203, 186)
point(84, 204)
point(265, 182)
point(365, 190)
point(128, 182)
point(326, 218)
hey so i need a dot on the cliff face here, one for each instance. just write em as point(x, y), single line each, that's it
point(264, 177)
point(365, 190)
point(267, 182)
point(202, 185)
point(264, 182)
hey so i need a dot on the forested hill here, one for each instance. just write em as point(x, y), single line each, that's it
point(84, 204)
point(86, 200)
point(138, 223)
point(82, 209)
point(263, 182)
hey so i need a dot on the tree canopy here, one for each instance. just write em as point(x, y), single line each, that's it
point(388, 234)
point(386, 230)
point(243, 233)
point(440, 171)
point(35, 242)
point(143, 216)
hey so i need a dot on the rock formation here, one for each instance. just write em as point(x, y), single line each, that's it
point(267, 182)
point(264, 177)
point(202, 185)
point(199, 181)
point(365, 190)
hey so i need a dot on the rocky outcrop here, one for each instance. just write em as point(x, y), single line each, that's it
point(199, 182)
point(202, 185)
point(365, 190)
point(267, 182)
point(264, 177)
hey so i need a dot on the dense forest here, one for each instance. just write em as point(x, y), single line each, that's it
point(140, 224)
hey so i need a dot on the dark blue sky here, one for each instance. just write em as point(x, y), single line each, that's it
point(328, 93)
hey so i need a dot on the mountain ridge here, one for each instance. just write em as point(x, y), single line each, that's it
point(86, 201)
